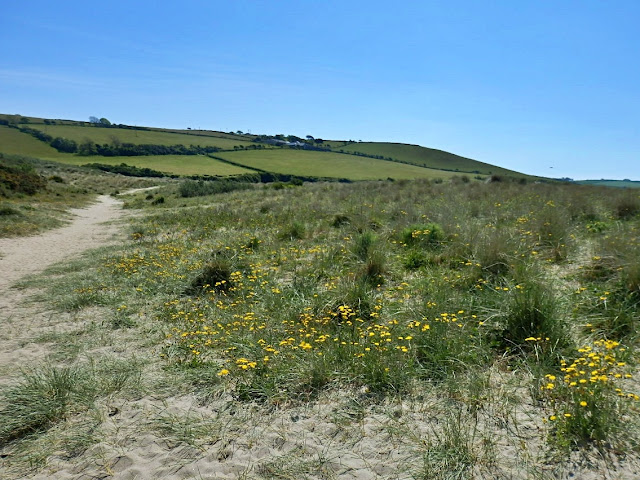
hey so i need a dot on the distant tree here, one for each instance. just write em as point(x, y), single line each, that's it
point(104, 122)
point(94, 120)
point(64, 145)
point(318, 140)
point(310, 138)
point(239, 132)
point(87, 147)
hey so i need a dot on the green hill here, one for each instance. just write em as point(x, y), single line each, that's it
point(183, 152)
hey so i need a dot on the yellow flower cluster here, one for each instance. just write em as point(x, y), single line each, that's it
point(590, 382)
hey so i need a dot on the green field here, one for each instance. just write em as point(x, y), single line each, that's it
point(328, 164)
point(14, 142)
point(425, 157)
point(611, 183)
point(101, 136)
point(176, 164)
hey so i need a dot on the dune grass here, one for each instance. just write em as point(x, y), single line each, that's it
point(495, 303)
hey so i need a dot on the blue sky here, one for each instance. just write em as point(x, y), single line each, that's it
point(542, 87)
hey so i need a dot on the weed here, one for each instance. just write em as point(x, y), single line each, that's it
point(451, 455)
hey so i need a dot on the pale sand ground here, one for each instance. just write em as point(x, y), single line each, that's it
point(338, 436)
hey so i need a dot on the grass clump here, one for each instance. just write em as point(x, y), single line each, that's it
point(626, 206)
point(363, 245)
point(48, 395)
point(429, 235)
point(529, 318)
point(451, 454)
point(295, 231)
point(6, 210)
point(43, 398)
point(214, 277)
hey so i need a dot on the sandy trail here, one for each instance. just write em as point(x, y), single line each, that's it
point(91, 227)
point(27, 255)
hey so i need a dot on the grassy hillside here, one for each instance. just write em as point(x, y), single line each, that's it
point(424, 157)
point(14, 142)
point(154, 137)
point(328, 164)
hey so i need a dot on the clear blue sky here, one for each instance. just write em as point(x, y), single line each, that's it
point(543, 87)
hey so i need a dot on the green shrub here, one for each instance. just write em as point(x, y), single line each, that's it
point(19, 176)
point(414, 260)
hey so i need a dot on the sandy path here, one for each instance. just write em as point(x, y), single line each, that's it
point(26, 255)
point(91, 227)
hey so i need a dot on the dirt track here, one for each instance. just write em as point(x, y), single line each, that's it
point(26, 255)
point(21, 320)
